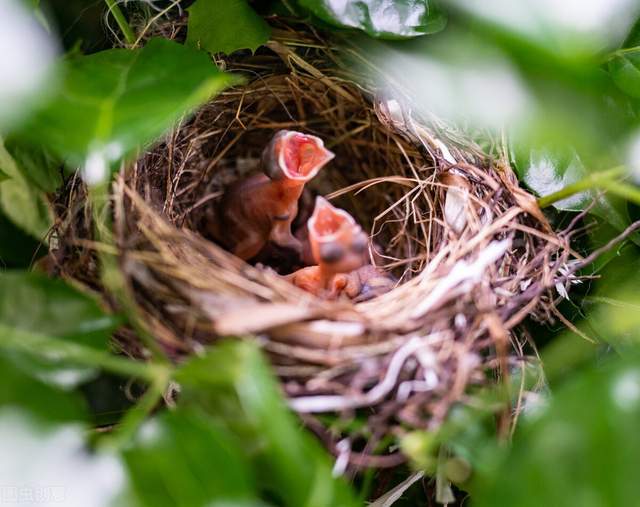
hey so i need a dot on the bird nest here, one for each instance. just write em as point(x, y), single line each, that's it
point(472, 254)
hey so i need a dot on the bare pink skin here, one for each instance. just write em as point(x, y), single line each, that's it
point(260, 208)
point(337, 246)
point(368, 282)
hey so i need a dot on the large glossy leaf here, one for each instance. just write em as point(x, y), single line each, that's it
point(186, 459)
point(381, 18)
point(232, 383)
point(546, 171)
point(115, 100)
point(24, 204)
point(583, 450)
point(224, 26)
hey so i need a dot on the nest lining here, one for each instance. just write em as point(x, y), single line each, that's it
point(466, 278)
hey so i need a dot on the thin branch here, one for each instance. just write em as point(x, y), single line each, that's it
point(599, 251)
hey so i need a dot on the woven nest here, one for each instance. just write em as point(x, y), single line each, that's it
point(472, 253)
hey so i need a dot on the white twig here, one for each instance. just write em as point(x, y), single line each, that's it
point(344, 450)
point(462, 277)
point(314, 404)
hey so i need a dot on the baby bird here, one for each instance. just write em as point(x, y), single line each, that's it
point(368, 282)
point(336, 243)
point(337, 246)
point(260, 208)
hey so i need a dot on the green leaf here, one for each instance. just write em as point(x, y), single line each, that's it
point(624, 65)
point(20, 389)
point(581, 451)
point(612, 308)
point(380, 18)
point(31, 4)
point(625, 71)
point(116, 100)
point(546, 171)
point(186, 459)
point(33, 302)
point(17, 248)
point(224, 26)
point(233, 383)
point(36, 164)
point(25, 205)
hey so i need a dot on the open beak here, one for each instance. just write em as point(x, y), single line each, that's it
point(331, 231)
point(295, 156)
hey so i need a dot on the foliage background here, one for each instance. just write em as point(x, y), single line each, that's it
point(561, 85)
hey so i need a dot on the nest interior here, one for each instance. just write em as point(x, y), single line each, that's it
point(472, 253)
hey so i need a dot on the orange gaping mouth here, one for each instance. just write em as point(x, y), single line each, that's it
point(327, 221)
point(302, 156)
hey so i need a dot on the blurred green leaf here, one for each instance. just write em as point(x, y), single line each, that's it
point(115, 100)
point(612, 309)
point(24, 204)
point(581, 451)
point(558, 54)
point(469, 432)
point(26, 207)
point(224, 26)
point(380, 18)
point(233, 383)
point(31, 4)
point(625, 71)
point(624, 65)
point(21, 390)
point(36, 164)
point(35, 303)
point(186, 459)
